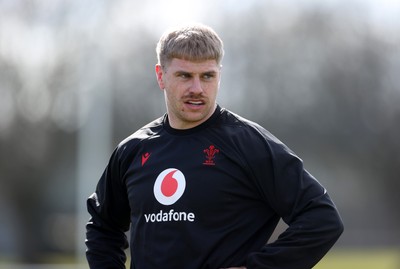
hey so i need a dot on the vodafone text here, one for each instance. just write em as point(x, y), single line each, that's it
point(169, 216)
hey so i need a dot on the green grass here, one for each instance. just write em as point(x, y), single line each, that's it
point(363, 259)
point(336, 259)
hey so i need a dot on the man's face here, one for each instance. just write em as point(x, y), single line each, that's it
point(190, 90)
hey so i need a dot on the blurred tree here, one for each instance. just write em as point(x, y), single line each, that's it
point(318, 82)
point(321, 79)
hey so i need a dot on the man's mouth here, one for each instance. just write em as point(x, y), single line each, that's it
point(195, 103)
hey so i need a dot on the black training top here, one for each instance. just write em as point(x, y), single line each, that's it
point(208, 197)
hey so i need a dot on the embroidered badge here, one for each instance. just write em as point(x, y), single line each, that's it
point(210, 153)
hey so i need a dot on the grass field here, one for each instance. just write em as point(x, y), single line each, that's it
point(361, 259)
point(336, 259)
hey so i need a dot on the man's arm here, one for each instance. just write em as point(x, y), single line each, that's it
point(308, 238)
point(109, 210)
point(303, 203)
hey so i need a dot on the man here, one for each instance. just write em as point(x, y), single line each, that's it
point(202, 187)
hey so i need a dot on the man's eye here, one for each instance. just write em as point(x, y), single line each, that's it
point(183, 75)
point(208, 76)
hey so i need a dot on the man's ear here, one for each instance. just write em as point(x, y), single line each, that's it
point(160, 76)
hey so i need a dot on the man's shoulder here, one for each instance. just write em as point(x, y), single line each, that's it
point(146, 132)
point(247, 130)
point(232, 118)
point(239, 122)
point(249, 134)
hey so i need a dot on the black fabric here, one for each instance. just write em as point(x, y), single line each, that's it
point(227, 182)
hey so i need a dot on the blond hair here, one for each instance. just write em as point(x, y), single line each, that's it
point(195, 42)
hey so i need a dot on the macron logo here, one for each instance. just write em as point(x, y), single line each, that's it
point(145, 157)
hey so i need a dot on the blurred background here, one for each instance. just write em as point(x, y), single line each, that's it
point(77, 77)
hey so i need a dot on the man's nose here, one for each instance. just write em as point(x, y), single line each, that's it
point(196, 86)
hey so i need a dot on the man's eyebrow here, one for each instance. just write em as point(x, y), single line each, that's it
point(209, 72)
point(181, 72)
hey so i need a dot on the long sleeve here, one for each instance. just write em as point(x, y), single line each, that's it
point(109, 210)
point(314, 224)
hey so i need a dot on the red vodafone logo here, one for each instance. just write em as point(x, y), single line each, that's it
point(169, 186)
